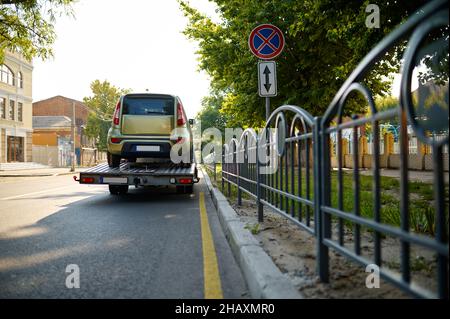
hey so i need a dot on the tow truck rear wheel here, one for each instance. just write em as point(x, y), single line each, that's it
point(118, 189)
point(189, 189)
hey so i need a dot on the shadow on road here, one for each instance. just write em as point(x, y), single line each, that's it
point(124, 247)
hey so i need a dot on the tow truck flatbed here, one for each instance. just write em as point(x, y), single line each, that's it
point(141, 174)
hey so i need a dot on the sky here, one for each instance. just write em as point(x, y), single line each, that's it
point(134, 44)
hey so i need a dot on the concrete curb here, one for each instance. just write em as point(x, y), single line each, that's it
point(39, 174)
point(68, 173)
point(263, 277)
point(27, 175)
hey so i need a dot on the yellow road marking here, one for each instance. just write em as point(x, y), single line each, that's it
point(212, 285)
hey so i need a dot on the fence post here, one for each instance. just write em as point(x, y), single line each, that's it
point(238, 180)
point(388, 147)
point(258, 185)
point(344, 148)
point(363, 149)
point(422, 150)
point(322, 228)
point(228, 176)
point(332, 150)
point(215, 170)
point(223, 167)
point(363, 145)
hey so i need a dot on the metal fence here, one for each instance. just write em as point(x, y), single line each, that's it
point(210, 163)
point(287, 167)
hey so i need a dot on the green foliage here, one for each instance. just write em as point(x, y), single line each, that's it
point(210, 115)
point(325, 40)
point(102, 104)
point(421, 204)
point(384, 103)
point(27, 26)
point(253, 228)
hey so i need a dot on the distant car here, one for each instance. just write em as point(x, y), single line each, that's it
point(142, 127)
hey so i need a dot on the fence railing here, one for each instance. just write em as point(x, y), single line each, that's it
point(210, 163)
point(287, 167)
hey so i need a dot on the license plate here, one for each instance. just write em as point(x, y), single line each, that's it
point(148, 148)
point(115, 180)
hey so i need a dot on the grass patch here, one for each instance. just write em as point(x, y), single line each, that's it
point(254, 229)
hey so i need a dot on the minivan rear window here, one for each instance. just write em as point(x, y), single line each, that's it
point(146, 105)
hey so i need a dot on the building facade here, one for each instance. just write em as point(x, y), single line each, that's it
point(52, 136)
point(15, 109)
point(52, 130)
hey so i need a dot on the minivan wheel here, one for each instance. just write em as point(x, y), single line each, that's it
point(113, 160)
point(118, 189)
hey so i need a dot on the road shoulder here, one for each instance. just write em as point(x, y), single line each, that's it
point(263, 278)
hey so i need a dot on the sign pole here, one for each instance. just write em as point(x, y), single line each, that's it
point(267, 108)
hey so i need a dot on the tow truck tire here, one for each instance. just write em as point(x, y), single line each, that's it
point(185, 189)
point(189, 189)
point(118, 189)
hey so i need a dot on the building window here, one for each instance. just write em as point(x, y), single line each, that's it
point(19, 111)
point(20, 80)
point(2, 108)
point(6, 75)
point(11, 109)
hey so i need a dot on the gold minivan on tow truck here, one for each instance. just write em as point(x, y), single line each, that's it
point(144, 130)
point(143, 127)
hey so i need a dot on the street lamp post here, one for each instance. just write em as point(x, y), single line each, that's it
point(72, 169)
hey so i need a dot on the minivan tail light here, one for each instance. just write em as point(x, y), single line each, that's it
point(115, 140)
point(116, 118)
point(181, 119)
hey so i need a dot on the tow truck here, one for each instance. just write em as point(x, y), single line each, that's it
point(183, 176)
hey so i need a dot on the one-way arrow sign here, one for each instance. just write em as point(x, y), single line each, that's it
point(267, 78)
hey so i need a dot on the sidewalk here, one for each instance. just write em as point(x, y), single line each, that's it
point(41, 172)
point(419, 176)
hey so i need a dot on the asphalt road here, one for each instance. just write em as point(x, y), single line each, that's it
point(146, 244)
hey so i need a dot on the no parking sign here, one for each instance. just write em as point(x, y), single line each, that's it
point(266, 41)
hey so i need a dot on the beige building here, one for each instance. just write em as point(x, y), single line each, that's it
point(15, 109)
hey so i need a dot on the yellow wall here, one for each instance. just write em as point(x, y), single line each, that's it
point(48, 138)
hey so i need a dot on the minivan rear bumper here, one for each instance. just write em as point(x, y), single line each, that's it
point(130, 149)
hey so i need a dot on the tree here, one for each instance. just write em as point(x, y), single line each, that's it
point(210, 115)
point(102, 104)
point(325, 40)
point(27, 26)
